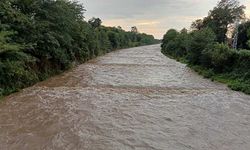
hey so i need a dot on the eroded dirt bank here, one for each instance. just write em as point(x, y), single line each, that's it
point(129, 99)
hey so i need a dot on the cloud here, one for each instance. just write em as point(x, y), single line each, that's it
point(147, 23)
point(151, 16)
point(248, 8)
point(141, 8)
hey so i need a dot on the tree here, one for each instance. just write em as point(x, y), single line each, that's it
point(197, 42)
point(184, 31)
point(119, 27)
point(242, 36)
point(39, 38)
point(225, 13)
point(95, 22)
point(218, 56)
point(169, 36)
point(5, 45)
point(174, 43)
point(197, 24)
point(248, 33)
point(168, 43)
point(113, 38)
point(134, 29)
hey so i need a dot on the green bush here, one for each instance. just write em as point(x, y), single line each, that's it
point(15, 75)
point(241, 67)
point(243, 36)
point(174, 43)
point(168, 37)
point(197, 42)
point(181, 39)
point(248, 35)
point(219, 56)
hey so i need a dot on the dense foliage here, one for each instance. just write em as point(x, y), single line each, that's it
point(40, 38)
point(244, 35)
point(206, 51)
point(224, 14)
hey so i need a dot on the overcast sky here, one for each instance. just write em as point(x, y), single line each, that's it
point(150, 16)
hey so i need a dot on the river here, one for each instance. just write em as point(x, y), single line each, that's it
point(130, 99)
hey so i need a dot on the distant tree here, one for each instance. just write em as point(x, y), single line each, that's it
point(197, 24)
point(119, 27)
point(184, 30)
point(95, 22)
point(170, 36)
point(113, 38)
point(174, 43)
point(134, 29)
point(225, 13)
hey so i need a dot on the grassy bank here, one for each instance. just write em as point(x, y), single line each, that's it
point(209, 58)
point(234, 82)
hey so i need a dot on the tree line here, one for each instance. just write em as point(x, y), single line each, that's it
point(207, 48)
point(40, 38)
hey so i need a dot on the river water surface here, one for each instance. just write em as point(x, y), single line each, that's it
point(130, 99)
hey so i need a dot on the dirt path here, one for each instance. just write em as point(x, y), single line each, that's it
point(129, 99)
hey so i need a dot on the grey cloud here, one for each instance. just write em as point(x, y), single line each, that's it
point(140, 8)
point(170, 13)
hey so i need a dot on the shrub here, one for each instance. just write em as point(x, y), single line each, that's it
point(242, 64)
point(197, 42)
point(174, 43)
point(243, 36)
point(248, 35)
point(171, 48)
point(169, 36)
point(220, 56)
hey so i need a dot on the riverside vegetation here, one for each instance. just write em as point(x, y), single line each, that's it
point(41, 38)
point(207, 47)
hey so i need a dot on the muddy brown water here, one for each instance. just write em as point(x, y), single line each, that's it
point(131, 99)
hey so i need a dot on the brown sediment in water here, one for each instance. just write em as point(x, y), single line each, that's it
point(128, 99)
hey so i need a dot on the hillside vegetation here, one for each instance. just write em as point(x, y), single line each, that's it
point(207, 47)
point(41, 38)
